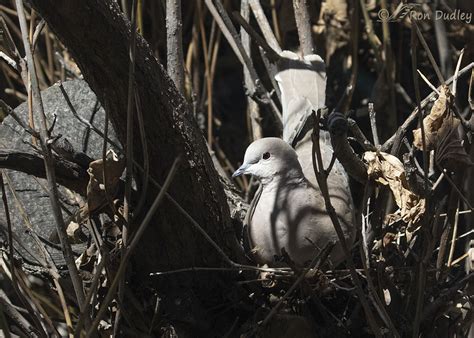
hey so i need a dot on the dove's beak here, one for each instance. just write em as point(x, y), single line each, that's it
point(241, 170)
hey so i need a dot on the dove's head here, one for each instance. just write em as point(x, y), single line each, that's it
point(270, 158)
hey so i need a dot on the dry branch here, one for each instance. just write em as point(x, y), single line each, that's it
point(68, 174)
point(174, 46)
point(37, 105)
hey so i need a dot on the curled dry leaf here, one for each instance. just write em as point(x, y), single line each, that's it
point(450, 153)
point(437, 122)
point(74, 233)
point(86, 261)
point(388, 170)
point(389, 238)
point(114, 167)
point(441, 134)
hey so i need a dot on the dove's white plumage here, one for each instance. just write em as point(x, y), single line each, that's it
point(289, 211)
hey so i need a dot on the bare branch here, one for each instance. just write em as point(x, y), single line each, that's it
point(68, 174)
point(264, 25)
point(303, 23)
point(49, 161)
point(174, 45)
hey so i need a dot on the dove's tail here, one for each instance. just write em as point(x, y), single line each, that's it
point(303, 90)
point(302, 82)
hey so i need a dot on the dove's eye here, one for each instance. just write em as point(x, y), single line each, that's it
point(266, 156)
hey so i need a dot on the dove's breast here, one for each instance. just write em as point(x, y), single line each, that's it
point(291, 217)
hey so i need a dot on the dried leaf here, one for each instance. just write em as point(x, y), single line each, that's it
point(74, 233)
point(111, 232)
point(114, 167)
point(267, 278)
point(435, 124)
point(450, 153)
point(86, 261)
point(389, 238)
point(388, 170)
point(392, 218)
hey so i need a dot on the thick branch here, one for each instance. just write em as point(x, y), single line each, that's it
point(68, 174)
point(337, 125)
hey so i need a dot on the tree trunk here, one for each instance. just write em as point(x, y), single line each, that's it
point(97, 35)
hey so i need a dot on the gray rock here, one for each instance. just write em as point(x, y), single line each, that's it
point(27, 198)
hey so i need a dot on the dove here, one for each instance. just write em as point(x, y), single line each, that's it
point(289, 210)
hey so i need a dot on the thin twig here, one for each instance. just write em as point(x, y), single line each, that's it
point(322, 183)
point(359, 135)
point(18, 120)
point(422, 265)
point(36, 34)
point(146, 160)
point(14, 315)
point(454, 235)
point(276, 23)
point(229, 31)
point(174, 45)
point(470, 98)
point(129, 155)
point(208, 87)
point(373, 124)
point(428, 51)
point(433, 88)
point(414, 114)
point(271, 53)
point(49, 161)
point(320, 258)
point(456, 73)
point(136, 239)
point(253, 112)
point(92, 291)
point(279, 271)
point(46, 260)
point(379, 306)
point(303, 24)
point(345, 102)
point(264, 25)
point(453, 184)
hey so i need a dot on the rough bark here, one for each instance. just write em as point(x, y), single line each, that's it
point(97, 35)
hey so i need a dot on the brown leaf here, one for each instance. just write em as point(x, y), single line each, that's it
point(435, 124)
point(86, 261)
point(114, 167)
point(450, 153)
point(389, 238)
point(388, 170)
point(392, 218)
point(74, 233)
